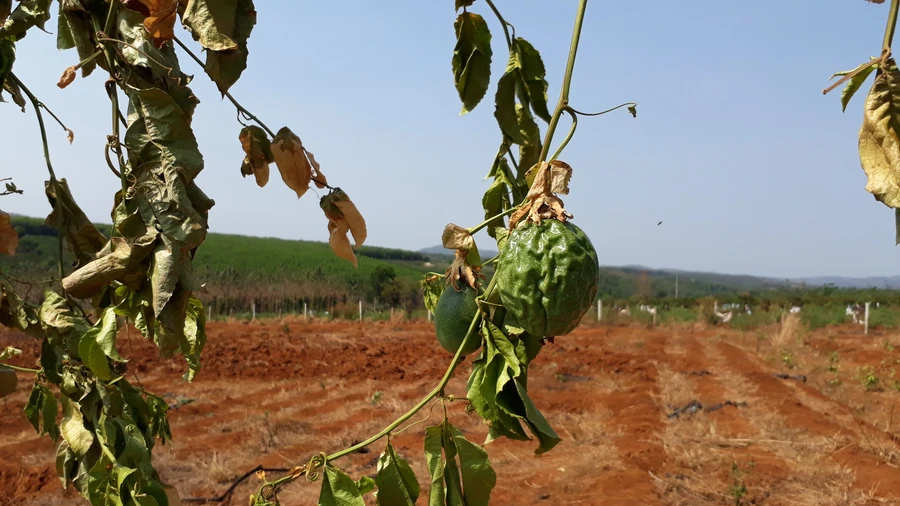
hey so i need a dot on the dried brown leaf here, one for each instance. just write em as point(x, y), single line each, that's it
point(68, 76)
point(318, 178)
point(560, 174)
point(354, 220)
point(290, 158)
point(456, 237)
point(339, 242)
point(461, 271)
point(70, 135)
point(9, 238)
point(255, 160)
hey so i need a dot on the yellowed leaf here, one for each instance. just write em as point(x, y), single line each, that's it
point(461, 271)
point(9, 238)
point(339, 242)
point(70, 135)
point(290, 158)
point(879, 138)
point(541, 203)
point(68, 76)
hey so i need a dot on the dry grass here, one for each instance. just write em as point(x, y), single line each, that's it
point(790, 330)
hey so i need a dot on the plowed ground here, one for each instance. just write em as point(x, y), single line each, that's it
point(275, 394)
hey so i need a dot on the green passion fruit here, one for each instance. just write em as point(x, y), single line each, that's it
point(452, 316)
point(548, 277)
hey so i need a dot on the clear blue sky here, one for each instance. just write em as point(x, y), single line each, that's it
point(750, 168)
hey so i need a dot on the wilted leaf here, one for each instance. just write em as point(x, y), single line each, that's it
point(114, 262)
point(432, 288)
point(494, 202)
point(463, 3)
point(258, 151)
point(339, 489)
point(632, 109)
point(7, 59)
point(541, 203)
point(339, 242)
point(530, 149)
point(41, 411)
point(9, 352)
point(8, 381)
point(462, 269)
point(471, 59)
point(27, 13)
point(222, 27)
point(74, 30)
point(456, 237)
point(70, 135)
point(91, 351)
point(879, 145)
point(195, 335)
point(318, 178)
point(290, 158)
point(9, 238)
point(68, 76)
point(81, 235)
point(397, 485)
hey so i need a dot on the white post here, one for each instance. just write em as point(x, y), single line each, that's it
point(253, 309)
point(716, 306)
point(209, 313)
point(392, 312)
point(599, 310)
point(360, 310)
point(867, 317)
point(305, 313)
point(429, 315)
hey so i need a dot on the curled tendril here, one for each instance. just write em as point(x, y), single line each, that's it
point(315, 463)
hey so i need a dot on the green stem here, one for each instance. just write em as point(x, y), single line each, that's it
point(21, 369)
point(503, 22)
point(53, 181)
point(241, 109)
point(891, 26)
point(112, 91)
point(567, 81)
point(483, 224)
point(565, 141)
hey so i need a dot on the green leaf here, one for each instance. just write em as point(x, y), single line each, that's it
point(853, 85)
point(505, 106)
point(537, 423)
point(471, 59)
point(16, 313)
point(879, 144)
point(27, 14)
point(92, 351)
point(339, 489)
point(222, 27)
point(499, 343)
point(897, 225)
point(169, 130)
point(104, 332)
point(41, 411)
point(74, 30)
point(433, 446)
point(494, 202)
point(195, 336)
point(533, 75)
point(530, 149)
point(7, 59)
point(397, 485)
point(72, 428)
point(432, 288)
point(8, 381)
point(66, 463)
point(451, 468)
point(478, 477)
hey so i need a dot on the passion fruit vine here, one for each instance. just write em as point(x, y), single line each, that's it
point(548, 277)
point(452, 316)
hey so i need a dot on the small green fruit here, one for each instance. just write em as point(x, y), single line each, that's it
point(453, 315)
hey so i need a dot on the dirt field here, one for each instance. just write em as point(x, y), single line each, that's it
point(274, 394)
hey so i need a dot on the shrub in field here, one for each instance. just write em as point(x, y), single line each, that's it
point(143, 272)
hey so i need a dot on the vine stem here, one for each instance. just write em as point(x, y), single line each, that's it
point(20, 369)
point(112, 91)
point(503, 22)
point(485, 223)
point(241, 109)
point(567, 81)
point(53, 181)
point(891, 26)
